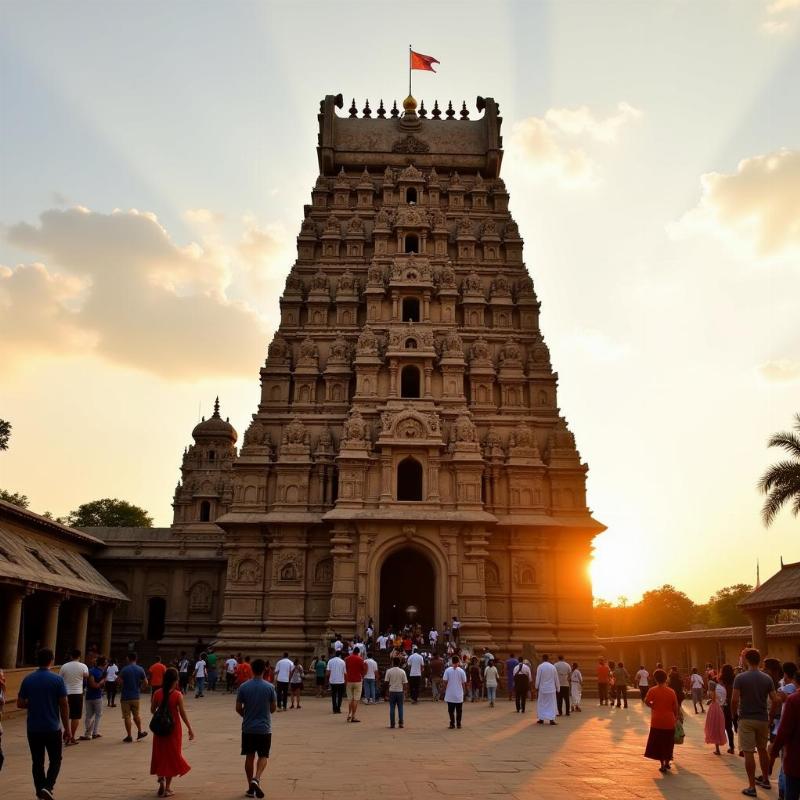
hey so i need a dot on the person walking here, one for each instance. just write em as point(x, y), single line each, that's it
point(211, 664)
point(564, 671)
point(475, 682)
point(371, 680)
point(319, 665)
point(621, 681)
point(753, 690)
point(787, 745)
point(642, 679)
point(94, 699)
point(715, 719)
point(510, 664)
point(74, 673)
point(230, 673)
point(283, 669)
point(415, 664)
point(726, 676)
point(183, 673)
point(200, 674)
point(133, 680)
point(575, 687)
point(44, 695)
point(455, 627)
point(491, 678)
point(664, 716)
point(296, 683)
point(603, 681)
point(454, 679)
point(156, 674)
point(522, 685)
point(112, 670)
point(256, 701)
point(676, 684)
point(166, 760)
point(396, 678)
point(437, 670)
point(355, 669)
point(335, 674)
point(244, 671)
point(547, 688)
point(697, 685)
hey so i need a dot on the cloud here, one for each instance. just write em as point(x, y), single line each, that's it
point(757, 206)
point(781, 370)
point(598, 346)
point(116, 285)
point(558, 145)
point(780, 16)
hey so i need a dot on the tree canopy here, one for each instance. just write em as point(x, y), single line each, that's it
point(109, 513)
point(722, 609)
point(5, 434)
point(781, 482)
point(16, 498)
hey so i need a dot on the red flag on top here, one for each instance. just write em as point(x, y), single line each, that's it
point(419, 61)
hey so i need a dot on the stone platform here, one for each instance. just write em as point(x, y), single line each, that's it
point(317, 756)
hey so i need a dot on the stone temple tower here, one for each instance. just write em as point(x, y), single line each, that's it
point(407, 459)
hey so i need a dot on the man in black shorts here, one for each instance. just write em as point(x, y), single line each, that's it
point(256, 701)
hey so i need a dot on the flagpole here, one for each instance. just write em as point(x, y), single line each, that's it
point(409, 70)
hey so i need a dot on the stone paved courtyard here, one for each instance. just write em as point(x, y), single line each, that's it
point(596, 754)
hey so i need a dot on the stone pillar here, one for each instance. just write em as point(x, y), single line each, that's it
point(105, 630)
point(9, 631)
point(81, 627)
point(758, 620)
point(428, 373)
point(50, 627)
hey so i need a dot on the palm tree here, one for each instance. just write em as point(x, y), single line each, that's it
point(781, 482)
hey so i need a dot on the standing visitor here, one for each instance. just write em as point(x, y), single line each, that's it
point(474, 672)
point(715, 721)
point(726, 676)
point(787, 744)
point(603, 680)
point(94, 699)
point(283, 669)
point(576, 687)
point(433, 637)
point(437, 670)
point(491, 678)
point(200, 673)
point(564, 670)
point(183, 673)
point(132, 679)
point(156, 674)
point(665, 713)
point(697, 685)
point(455, 679)
point(296, 683)
point(44, 695)
point(243, 671)
point(256, 701)
point(621, 681)
point(511, 664)
point(230, 673)
point(371, 680)
point(166, 760)
point(112, 670)
point(335, 673)
point(547, 687)
point(522, 685)
point(355, 669)
point(415, 664)
point(396, 678)
point(642, 679)
point(788, 686)
point(456, 628)
point(383, 640)
point(211, 664)
point(676, 684)
point(319, 666)
point(752, 691)
point(74, 673)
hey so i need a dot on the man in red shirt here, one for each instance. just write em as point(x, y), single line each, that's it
point(355, 669)
point(788, 739)
point(603, 679)
point(243, 671)
point(156, 674)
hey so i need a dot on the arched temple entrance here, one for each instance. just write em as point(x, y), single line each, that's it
point(408, 579)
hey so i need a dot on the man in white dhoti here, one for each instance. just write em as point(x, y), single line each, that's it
point(547, 685)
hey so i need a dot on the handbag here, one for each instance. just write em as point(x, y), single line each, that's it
point(680, 734)
point(162, 722)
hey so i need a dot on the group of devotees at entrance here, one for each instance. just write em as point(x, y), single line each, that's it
point(56, 702)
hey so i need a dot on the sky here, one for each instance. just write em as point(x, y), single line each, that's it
point(155, 158)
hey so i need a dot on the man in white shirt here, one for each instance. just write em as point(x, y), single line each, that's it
point(415, 663)
point(200, 672)
point(382, 641)
point(698, 690)
point(396, 680)
point(433, 637)
point(371, 681)
point(230, 673)
point(454, 679)
point(547, 685)
point(283, 671)
point(643, 681)
point(563, 669)
point(338, 645)
point(335, 673)
point(74, 672)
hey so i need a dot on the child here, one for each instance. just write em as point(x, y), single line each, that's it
point(715, 719)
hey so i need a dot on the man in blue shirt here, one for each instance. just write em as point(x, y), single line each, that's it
point(94, 699)
point(44, 695)
point(132, 678)
point(256, 701)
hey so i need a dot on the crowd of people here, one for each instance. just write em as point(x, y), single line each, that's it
point(66, 707)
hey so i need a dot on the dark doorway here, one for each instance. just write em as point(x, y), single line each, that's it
point(410, 309)
point(205, 511)
point(409, 382)
point(156, 618)
point(411, 195)
point(409, 479)
point(412, 243)
point(407, 579)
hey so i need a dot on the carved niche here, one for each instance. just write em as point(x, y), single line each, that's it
point(200, 596)
point(323, 572)
point(288, 566)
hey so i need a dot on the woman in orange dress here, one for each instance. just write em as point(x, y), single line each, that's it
point(665, 714)
point(167, 760)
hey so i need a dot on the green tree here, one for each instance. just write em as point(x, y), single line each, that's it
point(663, 609)
point(723, 611)
point(16, 498)
point(781, 482)
point(5, 434)
point(109, 513)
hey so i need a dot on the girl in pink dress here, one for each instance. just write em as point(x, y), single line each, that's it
point(715, 719)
